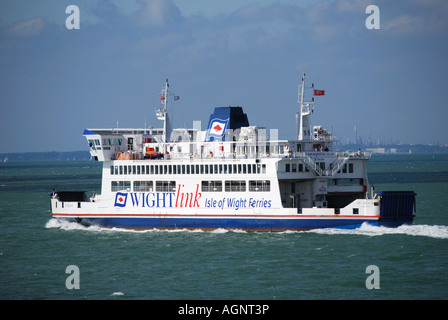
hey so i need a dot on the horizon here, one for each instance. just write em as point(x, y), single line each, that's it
point(386, 147)
point(389, 82)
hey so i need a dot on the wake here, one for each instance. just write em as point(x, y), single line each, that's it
point(431, 231)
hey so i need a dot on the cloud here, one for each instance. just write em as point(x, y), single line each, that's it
point(26, 28)
point(158, 13)
point(407, 24)
point(353, 6)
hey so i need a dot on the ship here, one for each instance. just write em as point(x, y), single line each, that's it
point(233, 175)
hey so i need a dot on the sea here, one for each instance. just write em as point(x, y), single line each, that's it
point(42, 258)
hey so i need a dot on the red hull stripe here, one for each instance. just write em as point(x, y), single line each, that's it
point(298, 216)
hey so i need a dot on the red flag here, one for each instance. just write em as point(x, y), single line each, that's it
point(319, 93)
point(162, 98)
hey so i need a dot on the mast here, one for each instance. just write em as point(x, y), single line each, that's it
point(306, 109)
point(162, 113)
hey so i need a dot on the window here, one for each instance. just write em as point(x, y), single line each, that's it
point(211, 186)
point(166, 186)
point(143, 186)
point(287, 167)
point(120, 185)
point(235, 186)
point(259, 185)
point(321, 165)
point(116, 142)
point(350, 167)
point(92, 144)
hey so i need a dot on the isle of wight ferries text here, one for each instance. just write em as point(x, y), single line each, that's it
point(181, 199)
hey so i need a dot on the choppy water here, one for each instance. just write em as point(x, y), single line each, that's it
point(35, 249)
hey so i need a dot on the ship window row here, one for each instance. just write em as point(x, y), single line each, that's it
point(296, 167)
point(236, 186)
point(144, 186)
point(300, 167)
point(345, 182)
point(107, 143)
point(206, 186)
point(344, 168)
point(189, 169)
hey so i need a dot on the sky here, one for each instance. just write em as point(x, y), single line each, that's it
point(390, 82)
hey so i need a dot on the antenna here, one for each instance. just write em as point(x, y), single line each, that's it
point(162, 113)
point(306, 109)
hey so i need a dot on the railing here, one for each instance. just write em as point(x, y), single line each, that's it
point(336, 165)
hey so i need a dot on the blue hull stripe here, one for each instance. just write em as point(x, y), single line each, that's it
point(226, 223)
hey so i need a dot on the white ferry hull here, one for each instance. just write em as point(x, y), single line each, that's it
point(391, 209)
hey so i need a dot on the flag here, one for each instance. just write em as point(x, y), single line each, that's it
point(176, 97)
point(319, 93)
point(162, 98)
point(120, 199)
point(216, 128)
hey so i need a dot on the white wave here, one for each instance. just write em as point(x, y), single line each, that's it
point(67, 225)
point(434, 231)
point(117, 294)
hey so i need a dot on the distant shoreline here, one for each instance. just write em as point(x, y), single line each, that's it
point(85, 155)
point(45, 156)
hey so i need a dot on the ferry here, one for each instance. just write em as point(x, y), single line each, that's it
point(232, 175)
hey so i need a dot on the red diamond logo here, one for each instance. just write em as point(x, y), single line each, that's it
point(120, 199)
point(217, 128)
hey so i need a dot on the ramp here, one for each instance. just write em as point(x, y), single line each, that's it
point(397, 207)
